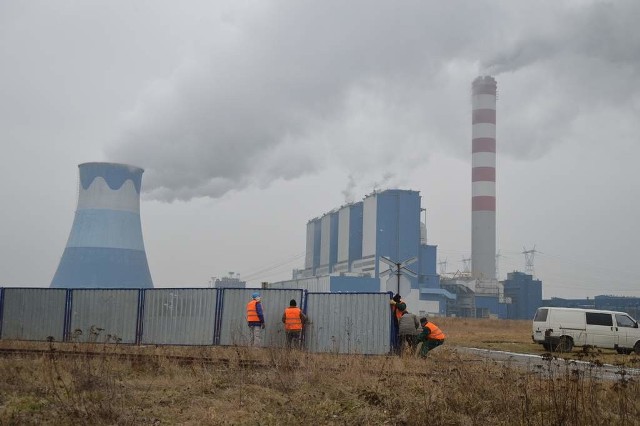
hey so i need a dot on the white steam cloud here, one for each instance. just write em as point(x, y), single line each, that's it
point(287, 89)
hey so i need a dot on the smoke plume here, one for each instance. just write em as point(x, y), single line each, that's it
point(283, 90)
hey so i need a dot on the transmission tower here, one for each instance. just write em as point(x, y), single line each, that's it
point(443, 267)
point(529, 256)
point(466, 268)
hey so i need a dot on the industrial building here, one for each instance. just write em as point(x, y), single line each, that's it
point(630, 305)
point(105, 248)
point(231, 281)
point(344, 247)
point(525, 294)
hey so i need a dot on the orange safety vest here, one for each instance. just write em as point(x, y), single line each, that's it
point(435, 332)
point(397, 311)
point(292, 322)
point(252, 312)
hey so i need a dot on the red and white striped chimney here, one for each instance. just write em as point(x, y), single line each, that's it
point(483, 178)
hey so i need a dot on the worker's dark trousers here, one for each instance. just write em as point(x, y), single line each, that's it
point(428, 345)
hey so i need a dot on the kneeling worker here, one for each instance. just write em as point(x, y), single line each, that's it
point(431, 336)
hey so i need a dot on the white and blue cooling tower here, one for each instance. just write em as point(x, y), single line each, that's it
point(105, 248)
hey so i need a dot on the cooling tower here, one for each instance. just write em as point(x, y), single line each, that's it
point(105, 248)
point(483, 179)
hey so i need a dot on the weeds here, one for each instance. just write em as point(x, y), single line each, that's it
point(279, 386)
point(87, 387)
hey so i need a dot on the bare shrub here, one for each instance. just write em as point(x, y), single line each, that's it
point(88, 385)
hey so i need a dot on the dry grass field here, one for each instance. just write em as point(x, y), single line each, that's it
point(275, 386)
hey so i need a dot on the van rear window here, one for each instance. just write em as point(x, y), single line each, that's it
point(597, 318)
point(541, 315)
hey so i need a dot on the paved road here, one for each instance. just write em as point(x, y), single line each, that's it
point(551, 365)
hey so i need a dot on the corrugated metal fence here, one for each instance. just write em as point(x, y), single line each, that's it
point(348, 323)
point(340, 322)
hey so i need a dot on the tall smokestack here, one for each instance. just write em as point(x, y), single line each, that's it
point(105, 247)
point(483, 178)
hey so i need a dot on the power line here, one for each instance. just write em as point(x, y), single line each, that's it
point(273, 266)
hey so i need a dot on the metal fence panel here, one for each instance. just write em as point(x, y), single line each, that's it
point(179, 316)
point(33, 313)
point(348, 323)
point(233, 326)
point(99, 313)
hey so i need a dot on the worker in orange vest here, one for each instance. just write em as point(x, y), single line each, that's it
point(255, 320)
point(397, 307)
point(294, 320)
point(431, 336)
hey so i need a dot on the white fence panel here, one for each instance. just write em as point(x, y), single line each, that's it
point(179, 316)
point(33, 313)
point(99, 313)
point(348, 323)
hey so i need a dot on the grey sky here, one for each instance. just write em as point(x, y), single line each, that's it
point(252, 117)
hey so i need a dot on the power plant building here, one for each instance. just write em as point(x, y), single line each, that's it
point(525, 294)
point(312, 258)
point(349, 236)
point(348, 243)
point(105, 248)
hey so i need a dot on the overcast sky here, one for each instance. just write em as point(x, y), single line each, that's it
point(252, 117)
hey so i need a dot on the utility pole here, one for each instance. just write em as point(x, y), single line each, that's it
point(399, 268)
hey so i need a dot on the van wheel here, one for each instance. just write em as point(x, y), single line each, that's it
point(636, 348)
point(565, 344)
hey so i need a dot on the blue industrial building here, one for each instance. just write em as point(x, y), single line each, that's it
point(630, 305)
point(105, 248)
point(312, 259)
point(349, 241)
point(525, 294)
point(488, 306)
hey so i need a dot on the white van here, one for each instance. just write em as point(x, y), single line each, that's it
point(561, 329)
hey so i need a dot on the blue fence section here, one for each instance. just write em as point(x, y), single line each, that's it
point(340, 322)
point(33, 313)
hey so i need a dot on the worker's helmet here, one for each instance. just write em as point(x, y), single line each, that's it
point(255, 295)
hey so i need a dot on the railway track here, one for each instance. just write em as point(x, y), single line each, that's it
point(134, 358)
point(223, 362)
point(529, 363)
